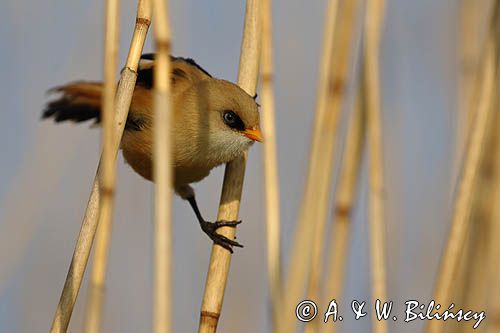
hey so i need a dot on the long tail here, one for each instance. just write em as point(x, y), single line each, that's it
point(79, 101)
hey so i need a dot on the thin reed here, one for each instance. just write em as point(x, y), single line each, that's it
point(271, 180)
point(373, 30)
point(89, 225)
point(461, 221)
point(162, 168)
point(342, 74)
point(341, 230)
point(476, 288)
point(477, 284)
point(232, 187)
point(93, 313)
point(494, 268)
point(315, 198)
point(472, 288)
point(470, 27)
point(493, 302)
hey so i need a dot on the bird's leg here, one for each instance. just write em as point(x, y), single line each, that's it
point(210, 228)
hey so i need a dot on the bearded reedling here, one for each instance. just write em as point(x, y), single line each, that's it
point(214, 121)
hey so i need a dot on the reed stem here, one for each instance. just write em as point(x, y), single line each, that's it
point(331, 88)
point(470, 23)
point(475, 268)
point(493, 304)
point(162, 168)
point(271, 178)
point(232, 187)
point(93, 313)
point(89, 225)
point(494, 268)
point(342, 72)
point(341, 231)
point(461, 221)
point(373, 30)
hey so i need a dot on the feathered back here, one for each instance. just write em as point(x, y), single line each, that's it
point(184, 73)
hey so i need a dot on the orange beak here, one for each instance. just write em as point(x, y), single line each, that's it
point(253, 134)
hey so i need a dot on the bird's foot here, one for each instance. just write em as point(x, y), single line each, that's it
point(210, 228)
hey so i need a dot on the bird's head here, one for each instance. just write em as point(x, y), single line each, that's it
point(224, 118)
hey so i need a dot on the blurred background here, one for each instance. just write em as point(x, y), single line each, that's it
point(46, 170)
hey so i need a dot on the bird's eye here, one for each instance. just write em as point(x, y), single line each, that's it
point(229, 117)
point(232, 120)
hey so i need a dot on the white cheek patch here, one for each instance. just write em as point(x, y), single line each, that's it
point(226, 146)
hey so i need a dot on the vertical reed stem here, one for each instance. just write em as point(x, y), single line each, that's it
point(331, 87)
point(470, 19)
point(474, 265)
point(270, 161)
point(220, 258)
point(373, 31)
point(89, 225)
point(344, 203)
point(93, 313)
point(494, 272)
point(470, 24)
point(341, 71)
point(493, 307)
point(162, 168)
point(473, 289)
point(463, 200)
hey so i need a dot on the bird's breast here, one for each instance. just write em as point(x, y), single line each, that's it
point(137, 151)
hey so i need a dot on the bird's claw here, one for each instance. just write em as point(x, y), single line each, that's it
point(210, 228)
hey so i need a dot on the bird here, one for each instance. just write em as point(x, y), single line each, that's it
point(213, 122)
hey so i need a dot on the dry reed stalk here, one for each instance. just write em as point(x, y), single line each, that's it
point(162, 168)
point(232, 187)
point(493, 307)
point(89, 225)
point(494, 272)
point(472, 39)
point(470, 46)
point(481, 238)
point(93, 313)
point(343, 208)
point(483, 271)
point(343, 45)
point(331, 87)
point(464, 197)
point(494, 269)
point(469, 279)
point(481, 268)
point(470, 19)
point(373, 30)
point(270, 160)
point(474, 264)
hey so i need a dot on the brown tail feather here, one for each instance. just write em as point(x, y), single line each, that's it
point(79, 101)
